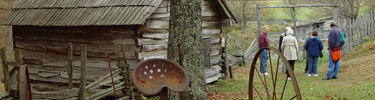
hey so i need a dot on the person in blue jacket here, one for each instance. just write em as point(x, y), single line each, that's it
point(313, 47)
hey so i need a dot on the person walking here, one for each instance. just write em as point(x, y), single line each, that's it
point(290, 48)
point(307, 58)
point(313, 47)
point(280, 42)
point(262, 43)
point(333, 46)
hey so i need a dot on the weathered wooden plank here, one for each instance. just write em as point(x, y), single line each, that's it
point(206, 51)
point(165, 3)
point(75, 76)
point(23, 85)
point(82, 89)
point(106, 92)
point(367, 20)
point(211, 31)
point(350, 35)
point(156, 35)
point(48, 75)
point(99, 81)
point(215, 52)
point(161, 10)
point(69, 67)
point(151, 41)
point(142, 55)
point(154, 47)
point(213, 78)
point(259, 19)
point(31, 47)
point(371, 24)
point(4, 59)
point(215, 40)
point(152, 57)
point(121, 30)
point(76, 38)
point(362, 28)
point(227, 22)
point(211, 71)
point(158, 24)
point(63, 94)
point(210, 24)
point(358, 38)
point(215, 60)
point(226, 55)
point(166, 15)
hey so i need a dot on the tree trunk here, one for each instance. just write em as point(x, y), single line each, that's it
point(185, 46)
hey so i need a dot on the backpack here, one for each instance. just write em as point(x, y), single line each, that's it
point(342, 38)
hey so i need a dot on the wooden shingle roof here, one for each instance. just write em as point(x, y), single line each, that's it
point(81, 12)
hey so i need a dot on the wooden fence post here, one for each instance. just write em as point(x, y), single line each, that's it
point(363, 26)
point(7, 84)
point(82, 89)
point(18, 57)
point(367, 24)
point(69, 68)
point(226, 57)
point(352, 36)
point(358, 31)
point(372, 24)
point(259, 19)
point(235, 43)
point(243, 50)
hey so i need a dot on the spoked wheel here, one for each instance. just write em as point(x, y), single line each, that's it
point(274, 86)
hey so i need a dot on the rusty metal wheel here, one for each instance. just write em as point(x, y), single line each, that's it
point(274, 86)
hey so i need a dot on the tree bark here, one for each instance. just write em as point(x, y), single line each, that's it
point(185, 46)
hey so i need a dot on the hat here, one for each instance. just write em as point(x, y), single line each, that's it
point(333, 24)
point(289, 31)
point(287, 28)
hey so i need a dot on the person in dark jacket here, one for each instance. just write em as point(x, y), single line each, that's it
point(307, 59)
point(333, 43)
point(280, 42)
point(313, 47)
point(262, 43)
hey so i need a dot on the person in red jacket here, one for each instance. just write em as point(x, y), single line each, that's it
point(263, 42)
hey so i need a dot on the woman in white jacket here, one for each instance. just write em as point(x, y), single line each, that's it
point(289, 47)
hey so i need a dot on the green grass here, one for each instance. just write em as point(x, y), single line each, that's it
point(356, 79)
point(280, 13)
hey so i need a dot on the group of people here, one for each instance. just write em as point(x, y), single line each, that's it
point(288, 45)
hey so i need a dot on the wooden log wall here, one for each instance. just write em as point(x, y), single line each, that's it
point(46, 50)
point(154, 34)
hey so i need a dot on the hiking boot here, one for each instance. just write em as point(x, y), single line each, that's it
point(326, 79)
point(334, 77)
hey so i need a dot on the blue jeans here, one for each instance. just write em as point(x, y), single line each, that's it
point(264, 63)
point(333, 67)
point(313, 62)
point(282, 67)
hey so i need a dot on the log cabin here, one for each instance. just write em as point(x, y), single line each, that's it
point(42, 29)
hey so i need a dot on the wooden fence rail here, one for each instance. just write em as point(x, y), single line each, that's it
point(357, 31)
point(121, 76)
